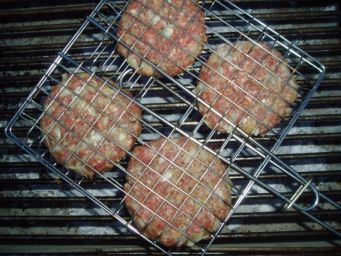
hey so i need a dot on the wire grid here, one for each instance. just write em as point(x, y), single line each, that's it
point(158, 97)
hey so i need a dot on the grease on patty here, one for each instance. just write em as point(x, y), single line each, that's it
point(170, 34)
point(183, 193)
point(249, 85)
point(88, 125)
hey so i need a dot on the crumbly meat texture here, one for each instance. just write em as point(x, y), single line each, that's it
point(170, 34)
point(250, 85)
point(88, 125)
point(179, 195)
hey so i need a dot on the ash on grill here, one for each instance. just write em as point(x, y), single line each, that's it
point(37, 209)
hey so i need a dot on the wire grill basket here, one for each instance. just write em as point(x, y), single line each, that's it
point(170, 111)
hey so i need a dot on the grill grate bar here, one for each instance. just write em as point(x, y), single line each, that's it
point(324, 40)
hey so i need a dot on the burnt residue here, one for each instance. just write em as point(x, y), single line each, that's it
point(37, 211)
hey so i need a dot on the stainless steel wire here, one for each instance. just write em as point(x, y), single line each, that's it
point(104, 64)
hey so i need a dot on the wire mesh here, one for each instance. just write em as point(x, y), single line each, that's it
point(83, 90)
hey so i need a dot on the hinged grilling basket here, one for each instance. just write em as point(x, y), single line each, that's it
point(170, 110)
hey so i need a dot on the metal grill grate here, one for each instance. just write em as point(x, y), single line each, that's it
point(99, 60)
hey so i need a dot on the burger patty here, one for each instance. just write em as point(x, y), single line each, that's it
point(177, 192)
point(88, 125)
point(170, 34)
point(250, 85)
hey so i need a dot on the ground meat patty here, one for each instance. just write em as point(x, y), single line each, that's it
point(169, 33)
point(195, 172)
point(250, 87)
point(88, 124)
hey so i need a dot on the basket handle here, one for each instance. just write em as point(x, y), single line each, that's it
point(299, 192)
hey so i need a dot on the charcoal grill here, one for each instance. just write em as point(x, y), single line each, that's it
point(31, 217)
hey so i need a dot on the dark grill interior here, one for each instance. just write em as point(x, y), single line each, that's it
point(40, 214)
